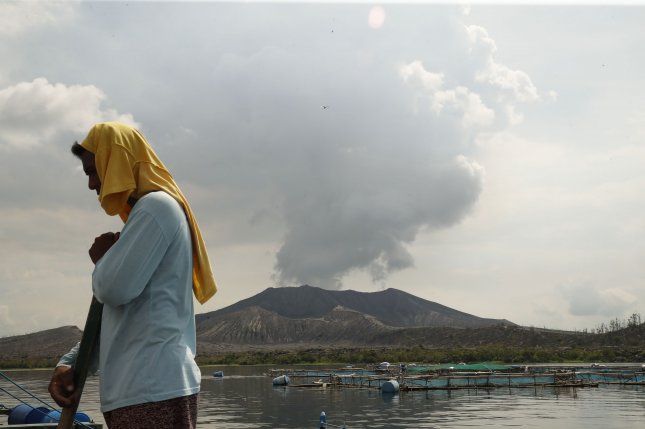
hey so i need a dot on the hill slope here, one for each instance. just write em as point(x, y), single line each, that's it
point(44, 345)
point(391, 307)
point(256, 326)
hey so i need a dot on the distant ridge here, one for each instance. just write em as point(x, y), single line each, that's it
point(392, 307)
point(307, 317)
point(48, 344)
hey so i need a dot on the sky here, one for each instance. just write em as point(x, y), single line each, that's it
point(485, 157)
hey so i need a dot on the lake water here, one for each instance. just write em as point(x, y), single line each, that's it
point(245, 398)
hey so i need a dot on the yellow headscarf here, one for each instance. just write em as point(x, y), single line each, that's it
point(128, 167)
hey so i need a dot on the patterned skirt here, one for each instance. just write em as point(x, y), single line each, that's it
point(176, 413)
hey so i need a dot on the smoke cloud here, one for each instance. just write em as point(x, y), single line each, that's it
point(337, 141)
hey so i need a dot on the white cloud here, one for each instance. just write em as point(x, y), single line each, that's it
point(459, 101)
point(415, 73)
point(480, 41)
point(475, 112)
point(473, 168)
point(517, 82)
point(31, 113)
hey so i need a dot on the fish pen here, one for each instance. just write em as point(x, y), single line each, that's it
point(459, 380)
point(455, 380)
point(614, 376)
point(340, 377)
point(462, 376)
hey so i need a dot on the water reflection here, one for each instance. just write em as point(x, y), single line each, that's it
point(245, 398)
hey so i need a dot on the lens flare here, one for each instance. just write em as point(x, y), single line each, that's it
point(376, 17)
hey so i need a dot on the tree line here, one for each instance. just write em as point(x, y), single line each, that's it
point(488, 353)
point(616, 324)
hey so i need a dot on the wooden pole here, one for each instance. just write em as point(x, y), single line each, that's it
point(85, 352)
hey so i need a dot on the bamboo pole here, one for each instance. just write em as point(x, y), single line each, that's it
point(85, 351)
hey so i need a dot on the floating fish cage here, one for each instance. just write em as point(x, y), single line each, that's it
point(459, 380)
point(626, 376)
point(462, 376)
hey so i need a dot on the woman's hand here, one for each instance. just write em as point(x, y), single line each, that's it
point(102, 244)
point(61, 387)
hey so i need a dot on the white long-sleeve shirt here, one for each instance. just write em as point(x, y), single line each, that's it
point(148, 342)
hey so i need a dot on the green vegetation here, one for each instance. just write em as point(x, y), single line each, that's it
point(491, 353)
point(28, 363)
